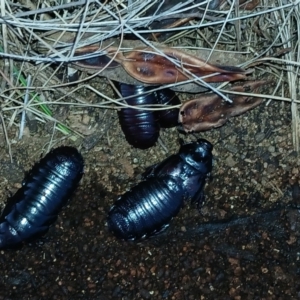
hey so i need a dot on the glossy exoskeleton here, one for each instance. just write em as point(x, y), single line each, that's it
point(141, 127)
point(150, 205)
point(169, 117)
point(45, 190)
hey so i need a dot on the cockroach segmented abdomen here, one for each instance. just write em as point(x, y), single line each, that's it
point(140, 127)
point(150, 205)
point(45, 190)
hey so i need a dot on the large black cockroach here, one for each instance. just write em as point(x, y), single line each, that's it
point(148, 207)
point(45, 190)
point(141, 127)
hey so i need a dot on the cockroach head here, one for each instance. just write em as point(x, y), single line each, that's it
point(198, 154)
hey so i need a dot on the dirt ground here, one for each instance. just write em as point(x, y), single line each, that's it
point(242, 244)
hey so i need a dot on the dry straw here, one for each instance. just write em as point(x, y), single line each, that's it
point(37, 34)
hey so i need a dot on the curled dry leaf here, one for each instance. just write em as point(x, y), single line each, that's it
point(211, 111)
point(148, 66)
point(113, 70)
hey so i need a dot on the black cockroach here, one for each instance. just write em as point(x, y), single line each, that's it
point(140, 127)
point(169, 117)
point(149, 206)
point(45, 190)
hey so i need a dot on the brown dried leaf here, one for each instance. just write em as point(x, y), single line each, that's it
point(149, 67)
point(248, 5)
point(119, 74)
point(211, 111)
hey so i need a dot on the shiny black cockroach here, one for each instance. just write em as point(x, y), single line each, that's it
point(148, 207)
point(45, 190)
point(141, 127)
point(169, 117)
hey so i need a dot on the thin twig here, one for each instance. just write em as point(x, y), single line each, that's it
point(23, 117)
point(6, 137)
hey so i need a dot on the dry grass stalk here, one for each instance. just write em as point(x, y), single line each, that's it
point(33, 37)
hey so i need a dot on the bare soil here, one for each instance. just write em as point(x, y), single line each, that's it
point(242, 244)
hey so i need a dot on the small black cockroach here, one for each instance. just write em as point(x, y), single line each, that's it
point(140, 127)
point(149, 206)
point(169, 117)
point(45, 190)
